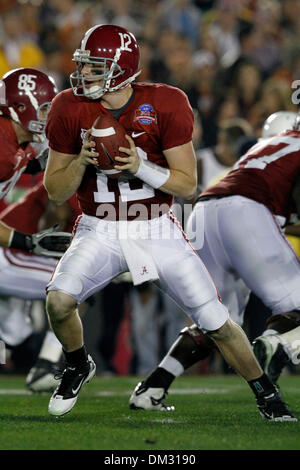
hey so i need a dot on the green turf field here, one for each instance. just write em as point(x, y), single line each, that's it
point(211, 413)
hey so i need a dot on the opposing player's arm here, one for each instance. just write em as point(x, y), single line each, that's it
point(180, 179)
point(64, 172)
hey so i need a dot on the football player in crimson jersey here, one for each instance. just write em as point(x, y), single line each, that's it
point(236, 229)
point(25, 96)
point(24, 276)
point(125, 222)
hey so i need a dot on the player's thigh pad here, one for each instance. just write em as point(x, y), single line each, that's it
point(260, 253)
point(202, 230)
point(183, 276)
point(88, 265)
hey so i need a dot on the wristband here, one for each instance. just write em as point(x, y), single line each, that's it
point(20, 241)
point(155, 175)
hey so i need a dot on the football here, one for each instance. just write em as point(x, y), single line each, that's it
point(109, 135)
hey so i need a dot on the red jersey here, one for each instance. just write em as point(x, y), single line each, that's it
point(158, 117)
point(25, 214)
point(13, 157)
point(266, 174)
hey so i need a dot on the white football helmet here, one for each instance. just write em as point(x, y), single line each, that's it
point(278, 122)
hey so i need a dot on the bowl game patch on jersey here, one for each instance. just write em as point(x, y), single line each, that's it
point(145, 114)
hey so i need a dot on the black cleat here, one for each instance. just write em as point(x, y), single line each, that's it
point(273, 408)
point(147, 398)
point(72, 379)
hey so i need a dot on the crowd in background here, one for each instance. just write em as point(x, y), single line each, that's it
point(235, 59)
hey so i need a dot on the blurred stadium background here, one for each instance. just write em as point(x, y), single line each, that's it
point(236, 61)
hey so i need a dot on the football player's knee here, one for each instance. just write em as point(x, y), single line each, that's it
point(67, 282)
point(191, 282)
point(210, 316)
point(59, 306)
point(224, 333)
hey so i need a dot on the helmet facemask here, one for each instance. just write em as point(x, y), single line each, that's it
point(38, 126)
point(105, 70)
point(35, 126)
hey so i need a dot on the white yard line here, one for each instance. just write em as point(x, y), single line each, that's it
point(111, 393)
point(174, 391)
point(14, 391)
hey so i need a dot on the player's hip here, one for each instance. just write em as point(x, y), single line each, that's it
point(164, 227)
point(235, 217)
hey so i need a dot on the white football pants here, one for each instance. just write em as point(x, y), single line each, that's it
point(96, 256)
point(241, 244)
point(23, 277)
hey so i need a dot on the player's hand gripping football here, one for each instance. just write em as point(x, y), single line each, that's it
point(132, 162)
point(88, 155)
